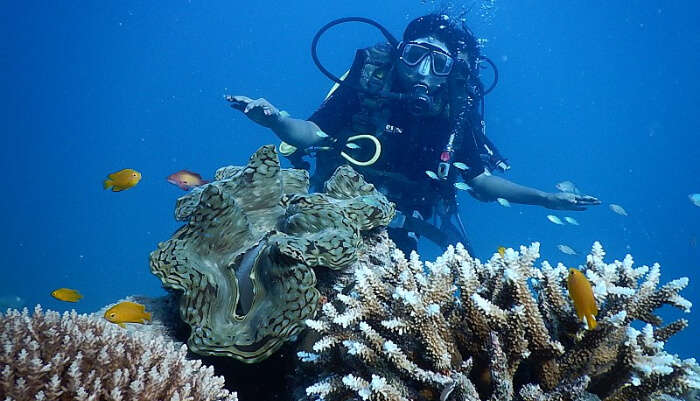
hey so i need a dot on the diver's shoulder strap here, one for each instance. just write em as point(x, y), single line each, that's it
point(377, 67)
point(376, 75)
point(373, 70)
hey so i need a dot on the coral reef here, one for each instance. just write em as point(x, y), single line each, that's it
point(245, 260)
point(49, 356)
point(457, 329)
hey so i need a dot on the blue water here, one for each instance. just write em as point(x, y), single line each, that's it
point(601, 93)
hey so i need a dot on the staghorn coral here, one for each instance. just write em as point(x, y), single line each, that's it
point(244, 261)
point(457, 329)
point(49, 356)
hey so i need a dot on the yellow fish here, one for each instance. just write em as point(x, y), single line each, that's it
point(581, 293)
point(502, 251)
point(122, 179)
point(127, 312)
point(66, 294)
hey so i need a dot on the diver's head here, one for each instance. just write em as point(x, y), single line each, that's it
point(427, 54)
point(424, 60)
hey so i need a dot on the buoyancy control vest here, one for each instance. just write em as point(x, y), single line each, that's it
point(373, 70)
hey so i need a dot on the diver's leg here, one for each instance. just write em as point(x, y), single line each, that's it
point(402, 240)
point(457, 233)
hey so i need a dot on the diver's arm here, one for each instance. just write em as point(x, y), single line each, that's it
point(299, 133)
point(487, 187)
point(296, 132)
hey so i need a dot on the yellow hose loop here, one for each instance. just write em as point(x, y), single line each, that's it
point(287, 149)
point(375, 157)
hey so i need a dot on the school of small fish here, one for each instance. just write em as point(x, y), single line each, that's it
point(556, 220)
point(131, 312)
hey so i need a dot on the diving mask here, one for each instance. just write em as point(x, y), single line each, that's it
point(415, 53)
point(423, 70)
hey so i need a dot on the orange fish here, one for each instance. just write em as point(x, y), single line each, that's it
point(122, 179)
point(502, 251)
point(127, 312)
point(186, 179)
point(581, 293)
point(66, 294)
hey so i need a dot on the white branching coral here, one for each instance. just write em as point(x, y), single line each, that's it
point(459, 329)
point(49, 356)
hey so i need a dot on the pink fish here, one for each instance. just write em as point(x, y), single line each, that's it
point(186, 179)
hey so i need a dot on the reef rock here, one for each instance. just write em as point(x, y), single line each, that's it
point(244, 261)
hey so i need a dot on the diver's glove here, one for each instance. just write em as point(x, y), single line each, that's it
point(570, 201)
point(259, 110)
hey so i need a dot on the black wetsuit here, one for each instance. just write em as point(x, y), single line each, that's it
point(400, 171)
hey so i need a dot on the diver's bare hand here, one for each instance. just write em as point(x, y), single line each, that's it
point(259, 110)
point(570, 201)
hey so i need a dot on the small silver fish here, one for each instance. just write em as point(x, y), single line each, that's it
point(567, 186)
point(566, 249)
point(463, 186)
point(460, 165)
point(352, 145)
point(503, 202)
point(554, 219)
point(431, 174)
point(695, 198)
point(321, 134)
point(571, 220)
point(618, 209)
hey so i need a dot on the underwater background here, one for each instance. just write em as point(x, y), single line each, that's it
point(604, 94)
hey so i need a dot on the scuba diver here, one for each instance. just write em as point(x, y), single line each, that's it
point(409, 116)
